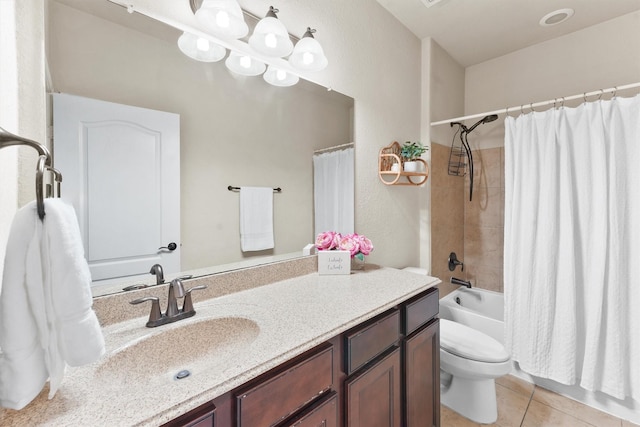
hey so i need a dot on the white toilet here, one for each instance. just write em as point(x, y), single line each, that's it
point(470, 361)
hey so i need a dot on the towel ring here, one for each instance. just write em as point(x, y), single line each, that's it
point(40, 168)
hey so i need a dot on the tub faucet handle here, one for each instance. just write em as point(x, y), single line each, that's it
point(454, 261)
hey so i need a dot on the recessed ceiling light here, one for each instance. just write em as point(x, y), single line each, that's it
point(556, 17)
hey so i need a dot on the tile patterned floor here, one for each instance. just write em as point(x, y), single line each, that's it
point(521, 404)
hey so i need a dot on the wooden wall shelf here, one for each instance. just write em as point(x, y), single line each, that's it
point(390, 168)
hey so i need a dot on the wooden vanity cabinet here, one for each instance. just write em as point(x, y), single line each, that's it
point(421, 360)
point(384, 372)
point(372, 392)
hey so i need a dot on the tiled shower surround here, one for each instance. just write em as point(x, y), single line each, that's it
point(473, 229)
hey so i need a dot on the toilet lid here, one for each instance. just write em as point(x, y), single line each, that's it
point(469, 343)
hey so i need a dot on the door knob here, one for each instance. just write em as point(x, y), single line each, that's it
point(171, 246)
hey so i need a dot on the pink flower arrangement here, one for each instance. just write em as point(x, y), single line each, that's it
point(358, 245)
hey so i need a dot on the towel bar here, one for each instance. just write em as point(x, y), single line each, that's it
point(231, 188)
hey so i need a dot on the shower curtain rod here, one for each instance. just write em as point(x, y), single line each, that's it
point(336, 148)
point(540, 104)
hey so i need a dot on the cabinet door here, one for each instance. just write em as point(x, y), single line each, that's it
point(422, 365)
point(373, 396)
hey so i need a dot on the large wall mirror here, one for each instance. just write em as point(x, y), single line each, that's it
point(237, 131)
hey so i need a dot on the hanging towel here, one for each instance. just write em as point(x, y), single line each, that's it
point(256, 218)
point(45, 270)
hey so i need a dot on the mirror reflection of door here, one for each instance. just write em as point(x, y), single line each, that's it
point(122, 174)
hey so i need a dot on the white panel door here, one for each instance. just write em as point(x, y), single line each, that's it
point(121, 171)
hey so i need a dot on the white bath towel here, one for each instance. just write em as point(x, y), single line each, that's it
point(46, 271)
point(256, 218)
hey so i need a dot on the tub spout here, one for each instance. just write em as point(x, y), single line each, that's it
point(460, 282)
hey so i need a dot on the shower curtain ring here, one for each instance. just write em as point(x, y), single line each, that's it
point(531, 107)
point(562, 105)
point(601, 93)
point(615, 91)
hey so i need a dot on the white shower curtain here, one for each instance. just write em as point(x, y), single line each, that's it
point(572, 245)
point(333, 191)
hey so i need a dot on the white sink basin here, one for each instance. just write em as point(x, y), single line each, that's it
point(212, 340)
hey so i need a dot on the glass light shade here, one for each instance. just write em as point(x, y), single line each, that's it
point(244, 65)
point(200, 49)
point(270, 37)
point(308, 55)
point(277, 77)
point(223, 18)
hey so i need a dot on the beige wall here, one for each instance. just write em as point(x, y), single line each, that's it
point(600, 56)
point(446, 79)
point(22, 102)
point(234, 131)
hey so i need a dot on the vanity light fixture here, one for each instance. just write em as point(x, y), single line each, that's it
point(270, 37)
point(223, 18)
point(200, 49)
point(308, 54)
point(223, 23)
point(244, 64)
point(278, 77)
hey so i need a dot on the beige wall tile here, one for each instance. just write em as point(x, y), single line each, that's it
point(541, 415)
point(488, 168)
point(486, 209)
point(446, 207)
point(484, 246)
point(486, 277)
point(574, 408)
point(439, 169)
point(626, 423)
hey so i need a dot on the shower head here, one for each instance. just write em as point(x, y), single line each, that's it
point(485, 119)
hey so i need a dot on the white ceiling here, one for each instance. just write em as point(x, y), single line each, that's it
point(473, 31)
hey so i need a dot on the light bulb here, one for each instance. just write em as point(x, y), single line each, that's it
point(202, 44)
point(307, 58)
point(245, 62)
point(222, 19)
point(281, 75)
point(270, 40)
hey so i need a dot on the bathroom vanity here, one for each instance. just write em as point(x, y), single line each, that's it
point(357, 350)
point(382, 372)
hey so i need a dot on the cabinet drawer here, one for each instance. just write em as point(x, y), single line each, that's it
point(275, 398)
point(324, 413)
point(419, 310)
point(364, 343)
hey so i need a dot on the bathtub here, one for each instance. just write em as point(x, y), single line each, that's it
point(477, 308)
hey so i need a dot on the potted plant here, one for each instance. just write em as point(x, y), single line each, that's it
point(410, 152)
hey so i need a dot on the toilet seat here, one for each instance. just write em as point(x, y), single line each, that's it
point(463, 341)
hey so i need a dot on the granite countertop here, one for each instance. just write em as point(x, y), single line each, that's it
point(231, 339)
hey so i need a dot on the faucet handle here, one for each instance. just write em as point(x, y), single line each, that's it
point(188, 303)
point(155, 314)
